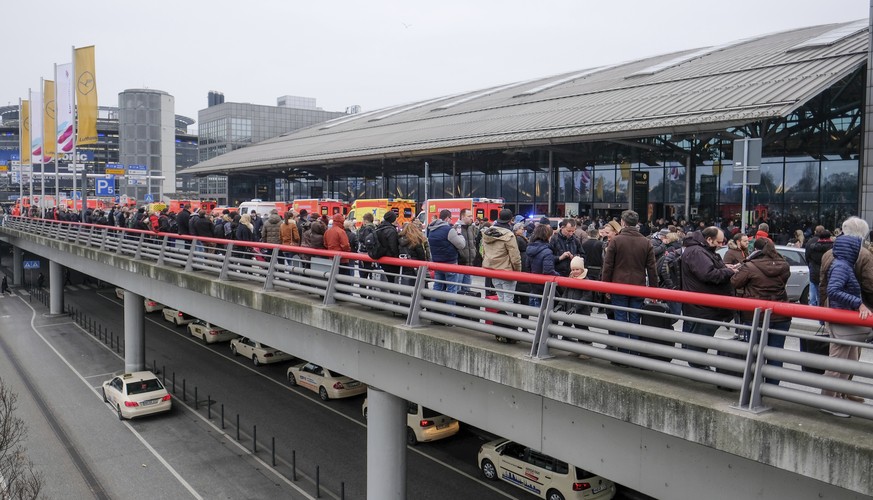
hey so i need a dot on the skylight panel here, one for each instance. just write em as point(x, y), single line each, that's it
point(413, 106)
point(833, 36)
point(561, 81)
point(480, 94)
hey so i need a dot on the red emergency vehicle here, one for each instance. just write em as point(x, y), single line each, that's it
point(321, 206)
point(378, 206)
point(482, 208)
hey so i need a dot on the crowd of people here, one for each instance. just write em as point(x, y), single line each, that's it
point(667, 254)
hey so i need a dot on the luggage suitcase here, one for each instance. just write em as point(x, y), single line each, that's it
point(500, 338)
point(732, 355)
point(657, 322)
point(815, 347)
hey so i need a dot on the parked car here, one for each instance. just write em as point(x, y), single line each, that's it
point(209, 333)
point(260, 354)
point(540, 474)
point(423, 424)
point(150, 305)
point(798, 283)
point(177, 317)
point(136, 394)
point(328, 384)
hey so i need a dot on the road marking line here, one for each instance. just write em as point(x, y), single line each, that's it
point(154, 452)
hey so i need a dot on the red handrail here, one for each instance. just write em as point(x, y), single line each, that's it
point(696, 298)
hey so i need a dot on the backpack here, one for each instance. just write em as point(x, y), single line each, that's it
point(669, 268)
point(363, 234)
point(218, 229)
point(374, 247)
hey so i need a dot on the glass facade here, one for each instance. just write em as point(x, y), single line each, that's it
point(809, 173)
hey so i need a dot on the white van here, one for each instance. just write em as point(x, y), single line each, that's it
point(263, 208)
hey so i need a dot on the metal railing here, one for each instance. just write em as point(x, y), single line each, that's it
point(338, 277)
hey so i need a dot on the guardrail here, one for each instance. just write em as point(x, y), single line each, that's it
point(346, 277)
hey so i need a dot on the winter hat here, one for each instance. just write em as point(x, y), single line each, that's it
point(545, 220)
point(390, 216)
point(579, 263)
point(338, 219)
point(505, 215)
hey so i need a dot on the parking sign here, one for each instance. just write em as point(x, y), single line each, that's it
point(105, 187)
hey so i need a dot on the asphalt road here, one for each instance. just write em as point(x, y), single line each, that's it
point(187, 452)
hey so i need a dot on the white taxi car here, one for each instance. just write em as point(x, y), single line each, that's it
point(540, 474)
point(328, 384)
point(423, 424)
point(136, 394)
point(209, 333)
point(260, 354)
point(177, 317)
point(150, 305)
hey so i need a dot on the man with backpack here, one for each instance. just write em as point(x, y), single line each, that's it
point(384, 242)
point(365, 232)
point(445, 242)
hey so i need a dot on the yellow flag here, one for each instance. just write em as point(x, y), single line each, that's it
point(24, 125)
point(86, 96)
point(49, 134)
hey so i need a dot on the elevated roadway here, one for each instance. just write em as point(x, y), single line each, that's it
point(663, 435)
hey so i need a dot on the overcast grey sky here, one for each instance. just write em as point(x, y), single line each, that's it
point(375, 53)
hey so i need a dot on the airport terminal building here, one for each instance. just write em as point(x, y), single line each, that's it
point(655, 133)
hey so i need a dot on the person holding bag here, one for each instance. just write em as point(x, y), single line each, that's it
point(844, 292)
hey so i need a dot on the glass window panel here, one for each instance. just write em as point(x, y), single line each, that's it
point(604, 183)
point(492, 185)
point(839, 182)
point(802, 182)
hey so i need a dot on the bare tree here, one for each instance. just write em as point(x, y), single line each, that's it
point(18, 478)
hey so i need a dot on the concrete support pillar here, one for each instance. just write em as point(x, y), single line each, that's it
point(386, 445)
point(17, 266)
point(134, 333)
point(56, 288)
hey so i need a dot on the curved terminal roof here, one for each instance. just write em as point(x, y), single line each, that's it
point(695, 90)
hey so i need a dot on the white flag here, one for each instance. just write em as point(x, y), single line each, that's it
point(36, 126)
point(64, 107)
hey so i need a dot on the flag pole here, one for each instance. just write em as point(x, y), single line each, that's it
point(30, 177)
point(57, 148)
point(42, 151)
point(20, 157)
point(75, 125)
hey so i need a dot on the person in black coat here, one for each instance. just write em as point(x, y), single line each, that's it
point(389, 240)
point(815, 250)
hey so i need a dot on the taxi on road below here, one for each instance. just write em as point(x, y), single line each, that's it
point(209, 333)
point(328, 384)
point(540, 474)
point(423, 424)
point(136, 394)
point(260, 354)
point(177, 317)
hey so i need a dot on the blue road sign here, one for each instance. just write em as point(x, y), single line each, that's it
point(31, 264)
point(105, 187)
point(149, 198)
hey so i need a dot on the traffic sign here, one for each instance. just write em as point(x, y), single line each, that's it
point(137, 170)
point(136, 181)
point(105, 187)
point(31, 264)
point(114, 171)
point(149, 198)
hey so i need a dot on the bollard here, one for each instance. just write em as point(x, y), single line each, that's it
point(112, 342)
point(117, 343)
point(222, 416)
point(196, 403)
point(317, 482)
point(174, 382)
point(237, 426)
point(274, 450)
point(164, 375)
point(209, 407)
point(184, 392)
point(154, 366)
point(254, 439)
point(294, 465)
